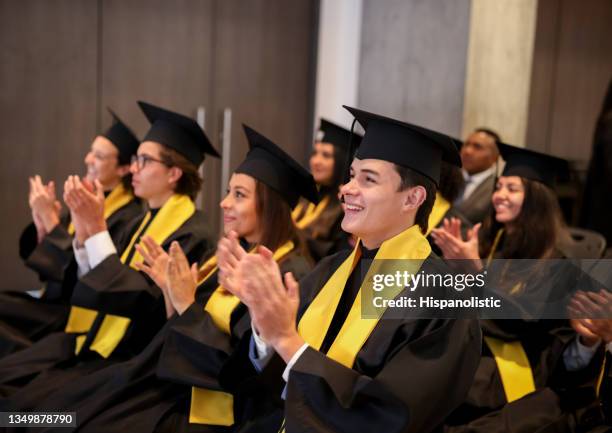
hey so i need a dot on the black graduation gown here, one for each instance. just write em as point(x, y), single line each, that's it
point(486, 408)
point(151, 391)
point(110, 288)
point(324, 236)
point(53, 260)
point(453, 212)
point(408, 376)
point(603, 410)
point(560, 396)
point(596, 210)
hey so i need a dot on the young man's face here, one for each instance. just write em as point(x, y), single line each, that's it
point(374, 208)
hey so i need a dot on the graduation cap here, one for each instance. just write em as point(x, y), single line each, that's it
point(410, 146)
point(269, 164)
point(336, 135)
point(178, 132)
point(122, 138)
point(458, 143)
point(533, 165)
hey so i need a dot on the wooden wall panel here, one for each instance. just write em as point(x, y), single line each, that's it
point(264, 71)
point(47, 106)
point(567, 98)
point(64, 62)
point(159, 52)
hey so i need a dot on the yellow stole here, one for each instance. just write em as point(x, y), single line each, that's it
point(410, 246)
point(602, 373)
point(510, 357)
point(303, 218)
point(172, 215)
point(440, 207)
point(117, 198)
point(216, 407)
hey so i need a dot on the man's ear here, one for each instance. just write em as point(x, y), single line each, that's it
point(414, 197)
point(175, 174)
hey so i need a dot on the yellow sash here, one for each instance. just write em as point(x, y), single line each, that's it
point(409, 245)
point(510, 357)
point(513, 366)
point(440, 207)
point(312, 212)
point(496, 241)
point(217, 407)
point(172, 215)
point(297, 210)
point(118, 198)
point(601, 375)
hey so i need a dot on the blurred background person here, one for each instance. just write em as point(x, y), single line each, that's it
point(479, 156)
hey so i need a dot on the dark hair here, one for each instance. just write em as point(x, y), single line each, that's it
point(190, 181)
point(494, 135)
point(409, 179)
point(127, 183)
point(451, 181)
point(274, 214)
point(536, 229)
point(340, 167)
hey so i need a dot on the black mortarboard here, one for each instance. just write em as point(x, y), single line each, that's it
point(269, 164)
point(410, 146)
point(533, 165)
point(178, 132)
point(336, 135)
point(122, 138)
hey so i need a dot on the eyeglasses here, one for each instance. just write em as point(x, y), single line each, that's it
point(141, 161)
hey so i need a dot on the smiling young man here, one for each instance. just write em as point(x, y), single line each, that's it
point(344, 373)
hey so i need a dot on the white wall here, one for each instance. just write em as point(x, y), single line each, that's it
point(500, 55)
point(338, 59)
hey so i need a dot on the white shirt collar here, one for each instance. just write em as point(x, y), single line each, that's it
point(479, 177)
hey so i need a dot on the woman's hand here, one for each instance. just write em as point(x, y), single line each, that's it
point(155, 265)
point(448, 238)
point(182, 279)
point(229, 254)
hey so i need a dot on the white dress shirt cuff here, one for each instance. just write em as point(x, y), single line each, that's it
point(293, 360)
point(99, 247)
